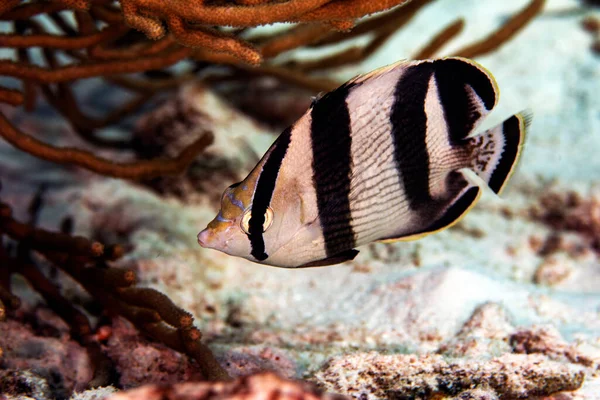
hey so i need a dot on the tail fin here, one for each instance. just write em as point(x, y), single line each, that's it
point(496, 151)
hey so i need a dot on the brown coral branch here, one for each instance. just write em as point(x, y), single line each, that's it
point(163, 45)
point(109, 277)
point(43, 240)
point(85, 159)
point(504, 33)
point(80, 325)
point(86, 25)
point(8, 299)
point(61, 42)
point(299, 36)
point(106, 13)
point(149, 298)
point(28, 10)
point(11, 96)
point(439, 40)
point(296, 78)
point(151, 311)
point(111, 52)
point(29, 88)
point(73, 72)
point(179, 334)
point(349, 56)
point(65, 102)
point(382, 27)
point(148, 86)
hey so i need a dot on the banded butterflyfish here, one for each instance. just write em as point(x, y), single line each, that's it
point(381, 158)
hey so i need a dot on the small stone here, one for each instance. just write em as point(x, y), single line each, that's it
point(553, 270)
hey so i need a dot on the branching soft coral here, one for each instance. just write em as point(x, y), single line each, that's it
point(87, 262)
point(104, 41)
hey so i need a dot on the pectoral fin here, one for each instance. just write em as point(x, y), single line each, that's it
point(336, 259)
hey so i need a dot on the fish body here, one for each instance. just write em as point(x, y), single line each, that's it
point(381, 158)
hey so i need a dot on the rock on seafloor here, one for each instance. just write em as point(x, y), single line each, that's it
point(257, 387)
point(35, 364)
point(510, 376)
point(504, 305)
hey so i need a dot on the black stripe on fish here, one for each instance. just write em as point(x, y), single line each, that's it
point(511, 130)
point(460, 199)
point(461, 113)
point(409, 128)
point(263, 193)
point(332, 157)
point(456, 211)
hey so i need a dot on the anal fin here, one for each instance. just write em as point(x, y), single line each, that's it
point(454, 213)
point(336, 259)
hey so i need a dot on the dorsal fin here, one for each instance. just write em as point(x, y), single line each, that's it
point(467, 93)
point(380, 71)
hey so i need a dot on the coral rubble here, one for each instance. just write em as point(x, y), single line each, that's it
point(407, 376)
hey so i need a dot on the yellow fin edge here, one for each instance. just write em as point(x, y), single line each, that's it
point(524, 118)
point(423, 234)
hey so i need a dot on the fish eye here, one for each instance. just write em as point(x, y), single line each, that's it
point(245, 222)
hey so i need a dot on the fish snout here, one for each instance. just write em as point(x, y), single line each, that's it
point(204, 238)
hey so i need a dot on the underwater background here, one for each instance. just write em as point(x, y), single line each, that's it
point(504, 305)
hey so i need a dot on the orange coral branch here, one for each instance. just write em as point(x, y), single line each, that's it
point(85, 159)
point(347, 9)
point(392, 20)
point(213, 40)
point(241, 16)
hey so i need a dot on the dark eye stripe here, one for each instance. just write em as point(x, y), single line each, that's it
point(264, 192)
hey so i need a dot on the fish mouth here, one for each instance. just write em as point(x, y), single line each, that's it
point(203, 238)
